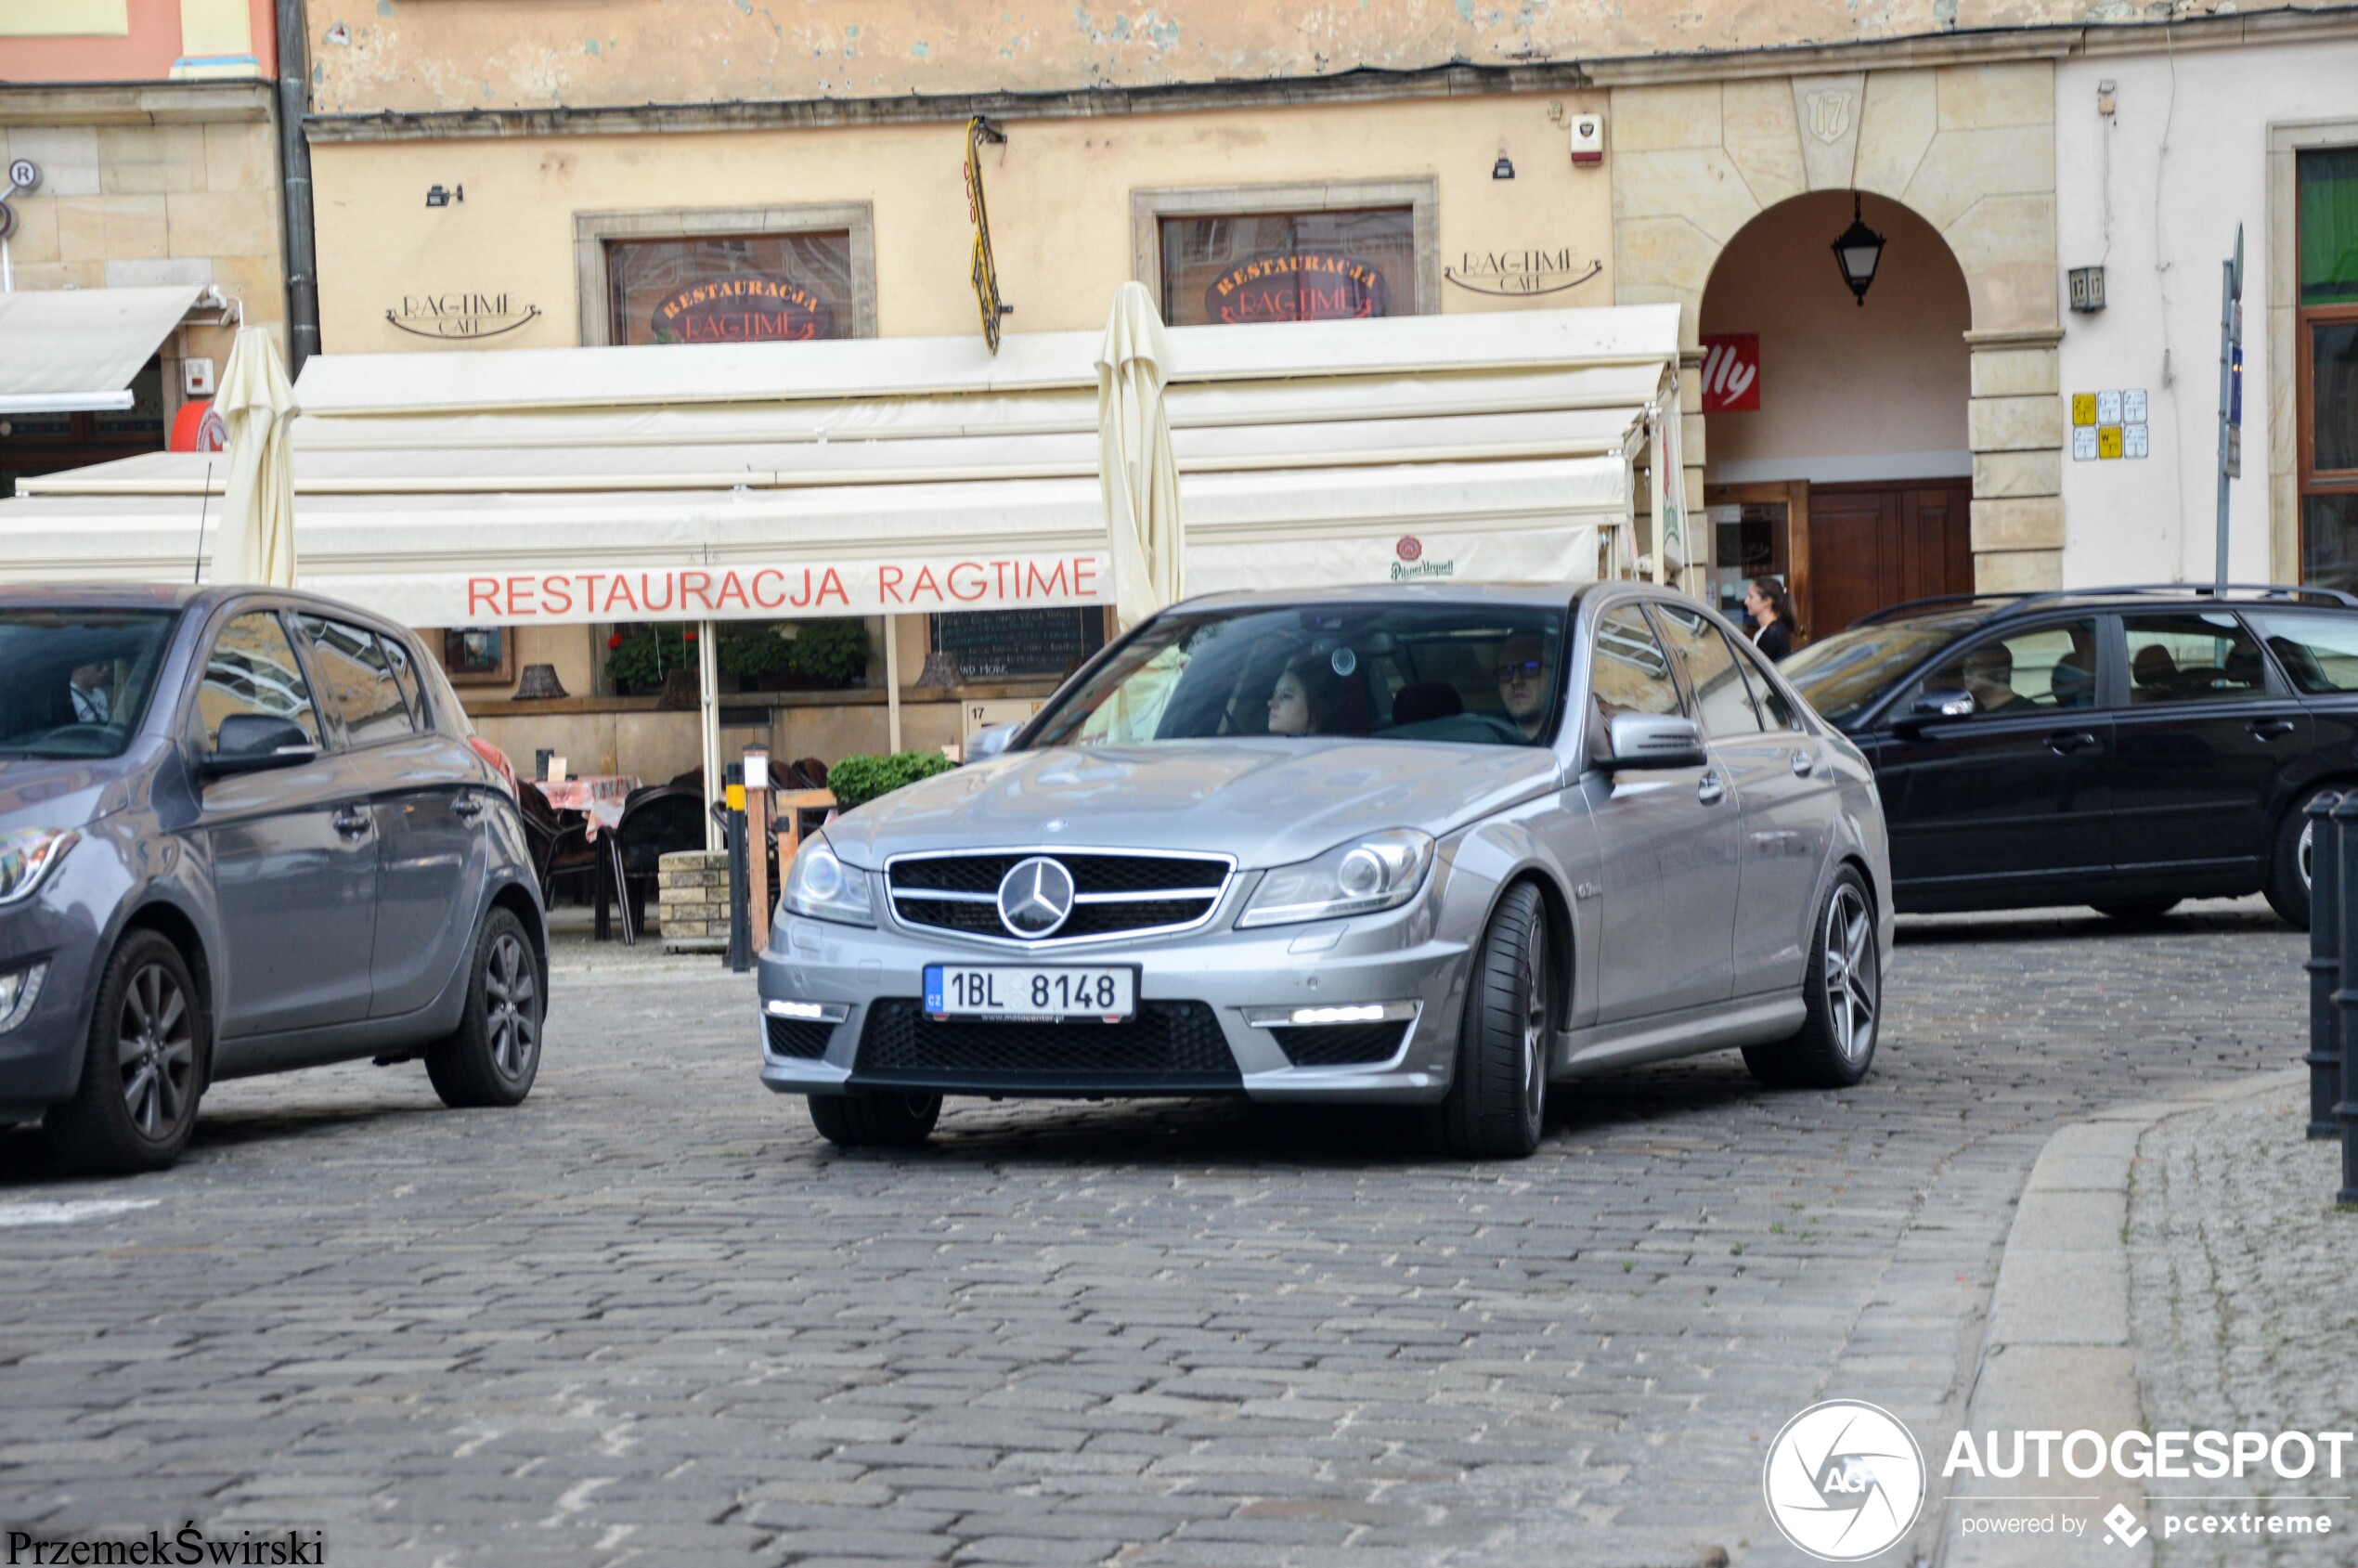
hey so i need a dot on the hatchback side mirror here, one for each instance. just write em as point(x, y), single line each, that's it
point(991, 741)
point(254, 743)
point(1654, 740)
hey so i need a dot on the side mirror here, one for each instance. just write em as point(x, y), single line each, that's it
point(1941, 702)
point(1654, 740)
point(990, 742)
point(255, 742)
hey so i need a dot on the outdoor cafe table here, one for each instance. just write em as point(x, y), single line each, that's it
point(598, 796)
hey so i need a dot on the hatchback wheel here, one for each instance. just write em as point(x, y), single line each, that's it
point(496, 1054)
point(1498, 1098)
point(857, 1120)
point(1843, 993)
point(142, 1068)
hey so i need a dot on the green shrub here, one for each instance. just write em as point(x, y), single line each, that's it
point(835, 651)
point(642, 660)
point(858, 780)
point(757, 652)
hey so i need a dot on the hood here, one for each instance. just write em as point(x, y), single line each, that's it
point(48, 794)
point(1267, 802)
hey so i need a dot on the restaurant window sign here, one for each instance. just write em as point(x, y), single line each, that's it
point(748, 288)
point(1227, 270)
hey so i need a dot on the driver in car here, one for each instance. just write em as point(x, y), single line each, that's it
point(1989, 674)
point(93, 703)
point(1522, 683)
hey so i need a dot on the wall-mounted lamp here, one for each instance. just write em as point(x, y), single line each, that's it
point(1503, 168)
point(1859, 251)
point(437, 197)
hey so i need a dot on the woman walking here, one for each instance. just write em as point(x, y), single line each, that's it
point(1770, 608)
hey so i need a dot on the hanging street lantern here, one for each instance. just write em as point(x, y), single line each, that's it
point(1858, 252)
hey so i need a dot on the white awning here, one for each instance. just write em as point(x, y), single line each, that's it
point(885, 476)
point(64, 350)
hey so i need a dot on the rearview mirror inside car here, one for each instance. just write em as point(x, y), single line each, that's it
point(1654, 740)
point(253, 743)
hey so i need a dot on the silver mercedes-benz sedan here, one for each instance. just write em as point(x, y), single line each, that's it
point(1432, 846)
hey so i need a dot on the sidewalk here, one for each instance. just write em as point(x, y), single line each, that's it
point(2176, 1266)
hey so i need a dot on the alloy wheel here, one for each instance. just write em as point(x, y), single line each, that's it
point(1534, 1032)
point(1851, 979)
point(156, 1048)
point(2307, 855)
point(510, 987)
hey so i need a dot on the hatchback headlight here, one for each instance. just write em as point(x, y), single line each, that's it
point(825, 888)
point(26, 856)
point(1382, 870)
point(19, 989)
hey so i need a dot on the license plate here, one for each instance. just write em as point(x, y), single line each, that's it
point(1022, 993)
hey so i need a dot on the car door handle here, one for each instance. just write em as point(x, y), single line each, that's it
point(2272, 729)
point(352, 822)
point(467, 807)
point(1804, 764)
point(2069, 740)
point(1709, 790)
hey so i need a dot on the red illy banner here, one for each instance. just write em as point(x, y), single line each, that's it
point(1731, 371)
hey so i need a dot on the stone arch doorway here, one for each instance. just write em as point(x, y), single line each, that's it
point(1836, 431)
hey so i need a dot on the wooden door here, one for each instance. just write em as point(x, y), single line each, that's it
point(1871, 546)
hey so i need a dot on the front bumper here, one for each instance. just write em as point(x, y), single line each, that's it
point(1394, 958)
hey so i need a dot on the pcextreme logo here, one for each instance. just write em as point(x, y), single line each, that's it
point(1844, 1480)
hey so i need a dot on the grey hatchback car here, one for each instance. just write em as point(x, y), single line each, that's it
point(1429, 846)
point(243, 831)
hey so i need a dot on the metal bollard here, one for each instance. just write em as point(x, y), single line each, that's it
point(2325, 963)
point(2345, 822)
point(740, 921)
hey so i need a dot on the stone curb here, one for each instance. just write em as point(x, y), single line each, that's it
point(2057, 1355)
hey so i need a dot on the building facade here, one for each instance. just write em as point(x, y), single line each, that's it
point(154, 129)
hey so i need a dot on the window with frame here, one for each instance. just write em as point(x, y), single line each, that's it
point(741, 288)
point(361, 685)
point(1723, 701)
point(1226, 269)
point(253, 669)
point(2188, 659)
point(2325, 210)
point(2041, 671)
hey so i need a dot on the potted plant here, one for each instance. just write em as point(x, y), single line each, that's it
point(637, 662)
point(829, 653)
point(757, 656)
point(858, 780)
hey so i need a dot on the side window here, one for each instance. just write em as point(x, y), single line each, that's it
point(253, 669)
point(398, 657)
point(2050, 668)
point(1630, 673)
point(1776, 712)
point(2191, 658)
point(359, 680)
point(1722, 700)
point(2319, 652)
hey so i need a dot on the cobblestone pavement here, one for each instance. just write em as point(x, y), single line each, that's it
point(650, 1317)
point(2240, 1305)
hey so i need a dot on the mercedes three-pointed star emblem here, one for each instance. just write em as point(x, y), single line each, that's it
point(1035, 898)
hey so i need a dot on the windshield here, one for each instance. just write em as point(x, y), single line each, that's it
point(1842, 675)
point(75, 682)
point(1467, 674)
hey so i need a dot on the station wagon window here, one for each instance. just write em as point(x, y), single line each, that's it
point(361, 684)
point(2191, 658)
point(2319, 652)
point(253, 669)
point(1723, 701)
point(2044, 669)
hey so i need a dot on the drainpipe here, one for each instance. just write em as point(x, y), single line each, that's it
point(294, 179)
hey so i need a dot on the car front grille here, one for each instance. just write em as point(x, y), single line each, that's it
point(1342, 1045)
point(1114, 893)
point(798, 1037)
point(1169, 1048)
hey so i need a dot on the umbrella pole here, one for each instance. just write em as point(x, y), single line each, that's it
point(708, 713)
point(892, 683)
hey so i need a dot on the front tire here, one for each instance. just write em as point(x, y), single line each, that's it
point(1842, 991)
point(1498, 1098)
point(495, 1056)
point(142, 1066)
point(855, 1119)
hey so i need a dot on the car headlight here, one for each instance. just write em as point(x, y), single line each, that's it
point(825, 888)
point(19, 989)
point(26, 856)
point(1381, 870)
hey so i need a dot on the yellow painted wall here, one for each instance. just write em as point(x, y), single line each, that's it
point(1059, 193)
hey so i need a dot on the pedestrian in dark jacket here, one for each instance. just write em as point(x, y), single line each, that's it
point(1770, 608)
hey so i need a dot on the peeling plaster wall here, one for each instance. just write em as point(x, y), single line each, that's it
point(432, 54)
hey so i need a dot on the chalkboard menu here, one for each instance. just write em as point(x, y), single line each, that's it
point(1011, 645)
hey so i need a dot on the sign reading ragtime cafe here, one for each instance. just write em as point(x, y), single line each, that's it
point(1308, 285)
point(749, 307)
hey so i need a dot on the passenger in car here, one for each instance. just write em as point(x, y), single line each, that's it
point(1308, 698)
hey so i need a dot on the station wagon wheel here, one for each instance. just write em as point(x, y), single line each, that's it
point(494, 1055)
point(143, 1064)
point(2294, 857)
point(1842, 997)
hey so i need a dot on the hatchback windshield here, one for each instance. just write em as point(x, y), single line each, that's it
point(1844, 674)
point(75, 682)
point(1470, 674)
